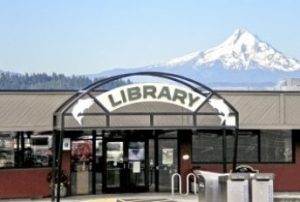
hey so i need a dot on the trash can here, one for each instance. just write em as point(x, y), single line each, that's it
point(262, 187)
point(208, 186)
point(234, 187)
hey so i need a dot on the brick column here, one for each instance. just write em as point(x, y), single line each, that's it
point(185, 148)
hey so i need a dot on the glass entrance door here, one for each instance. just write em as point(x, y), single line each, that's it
point(113, 166)
point(167, 160)
point(125, 166)
point(137, 166)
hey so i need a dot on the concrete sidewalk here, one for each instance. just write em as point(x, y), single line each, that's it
point(166, 197)
point(147, 197)
point(140, 197)
point(287, 196)
point(132, 197)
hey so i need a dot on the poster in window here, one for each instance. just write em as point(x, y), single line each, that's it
point(136, 151)
point(136, 154)
point(66, 144)
point(136, 167)
point(167, 156)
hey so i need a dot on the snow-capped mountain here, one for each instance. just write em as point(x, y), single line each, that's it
point(241, 60)
point(242, 50)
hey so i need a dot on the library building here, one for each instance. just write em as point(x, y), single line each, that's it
point(133, 138)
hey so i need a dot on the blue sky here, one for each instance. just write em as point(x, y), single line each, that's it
point(90, 36)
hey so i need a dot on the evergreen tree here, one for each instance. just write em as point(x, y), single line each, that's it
point(9, 81)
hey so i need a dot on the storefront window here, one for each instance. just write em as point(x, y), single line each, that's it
point(81, 164)
point(265, 146)
point(207, 147)
point(82, 152)
point(276, 146)
point(247, 147)
point(7, 153)
point(25, 150)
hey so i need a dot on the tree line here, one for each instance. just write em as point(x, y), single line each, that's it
point(12, 81)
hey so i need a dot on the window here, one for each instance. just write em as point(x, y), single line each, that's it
point(247, 147)
point(276, 146)
point(265, 146)
point(40, 148)
point(6, 151)
point(22, 150)
point(39, 141)
point(207, 147)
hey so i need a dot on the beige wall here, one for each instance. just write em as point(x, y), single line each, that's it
point(266, 110)
point(22, 111)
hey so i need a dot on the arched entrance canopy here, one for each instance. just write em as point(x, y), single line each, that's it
point(206, 96)
point(191, 97)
